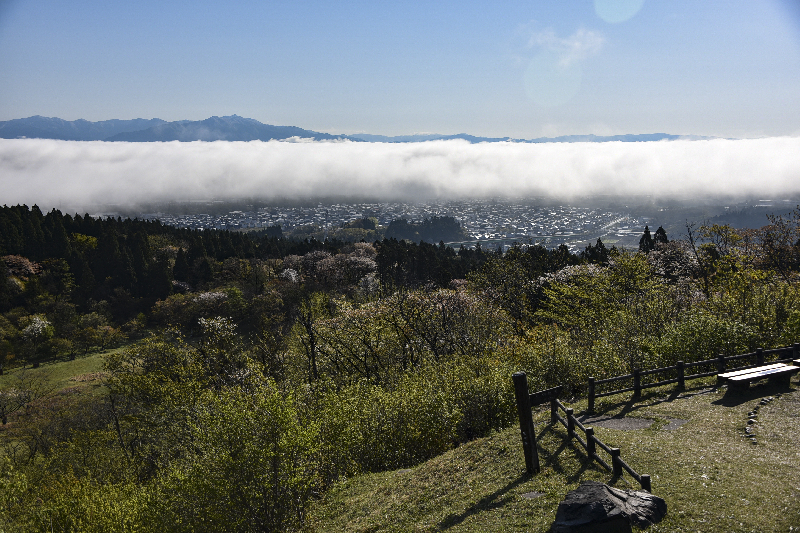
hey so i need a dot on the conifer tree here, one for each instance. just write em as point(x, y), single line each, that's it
point(181, 269)
point(56, 241)
point(661, 236)
point(646, 242)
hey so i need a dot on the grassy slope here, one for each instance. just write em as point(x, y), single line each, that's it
point(712, 477)
point(59, 375)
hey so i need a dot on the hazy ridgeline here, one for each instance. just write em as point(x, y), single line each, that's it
point(255, 371)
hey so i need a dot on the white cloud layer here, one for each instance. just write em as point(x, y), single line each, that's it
point(79, 175)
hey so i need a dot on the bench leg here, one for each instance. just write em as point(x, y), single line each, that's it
point(785, 379)
point(738, 385)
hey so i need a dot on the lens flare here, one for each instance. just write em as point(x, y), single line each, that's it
point(616, 11)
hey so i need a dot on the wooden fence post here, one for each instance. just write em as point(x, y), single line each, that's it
point(645, 482)
point(637, 383)
point(796, 350)
point(570, 423)
point(616, 466)
point(760, 356)
point(591, 396)
point(591, 445)
point(721, 363)
point(681, 375)
point(526, 422)
point(554, 410)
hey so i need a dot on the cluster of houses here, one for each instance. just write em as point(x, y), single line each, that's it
point(497, 222)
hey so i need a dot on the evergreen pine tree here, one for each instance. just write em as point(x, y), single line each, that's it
point(181, 269)
point(32, 232)
point(646, 242)
point(57, 240)
point(661, 236)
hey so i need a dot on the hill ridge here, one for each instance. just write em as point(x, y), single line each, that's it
point(237, 128)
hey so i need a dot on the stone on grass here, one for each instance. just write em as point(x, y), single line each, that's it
point(595, 507)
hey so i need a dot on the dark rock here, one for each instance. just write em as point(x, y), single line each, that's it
point(595, 507)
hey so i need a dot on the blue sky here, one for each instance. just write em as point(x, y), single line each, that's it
point(523, 69)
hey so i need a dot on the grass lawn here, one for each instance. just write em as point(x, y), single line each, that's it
point(60, 375)
point(60, 389)
point(713, 477)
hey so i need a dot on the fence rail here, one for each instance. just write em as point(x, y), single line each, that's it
point(720, 365)
point(589, 442)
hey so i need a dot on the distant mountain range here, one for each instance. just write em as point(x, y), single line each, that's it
point(236, 128)
point(77, 130)
point(232, 128)
point(639, 137)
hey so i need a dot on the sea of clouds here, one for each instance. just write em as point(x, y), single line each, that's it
point(54, 173)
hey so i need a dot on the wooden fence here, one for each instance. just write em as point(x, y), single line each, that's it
point(718, 365)
point(589, 442)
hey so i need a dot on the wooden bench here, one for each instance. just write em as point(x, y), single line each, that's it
point(722, 378)
point(779, 374)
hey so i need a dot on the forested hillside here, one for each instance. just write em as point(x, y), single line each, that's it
point(254, 372)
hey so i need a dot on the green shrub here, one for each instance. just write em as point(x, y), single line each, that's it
point(366, 428)
point(791, 329)
point(700, 335)
point(81, 505)
point(548, 355)
point(480, 390)
point(14, 495)
point(254, 469)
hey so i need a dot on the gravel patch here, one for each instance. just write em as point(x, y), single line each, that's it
point(674, 423)
point(616, 422)
point(628, 422)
